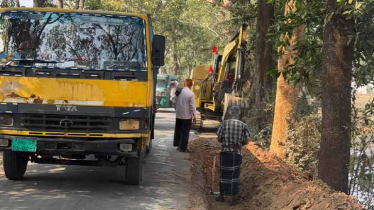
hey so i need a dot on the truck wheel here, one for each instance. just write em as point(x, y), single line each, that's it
point(15, 165)
point(149, 148)
point(134, 170)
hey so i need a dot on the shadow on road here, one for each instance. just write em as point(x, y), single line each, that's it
point(165, 184)
point(169, 110)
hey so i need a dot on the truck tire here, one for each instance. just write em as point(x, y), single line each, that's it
point(15, 165)
point(149, 148)
point(134, 170)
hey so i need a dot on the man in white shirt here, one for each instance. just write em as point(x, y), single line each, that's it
point(185, 114)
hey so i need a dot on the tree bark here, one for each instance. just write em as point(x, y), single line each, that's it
point(286, 96)
point(264, 55)
point(60, 3)
point(39, 3)
point(4, 3)
point(80, 4)
point(337, 61)
point(175, 57)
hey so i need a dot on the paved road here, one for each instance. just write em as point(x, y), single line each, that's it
point(165, 185)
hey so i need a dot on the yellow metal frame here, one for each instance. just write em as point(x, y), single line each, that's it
point(231, 49)
point(198, 74)
point(109, 91)
point(79, 91)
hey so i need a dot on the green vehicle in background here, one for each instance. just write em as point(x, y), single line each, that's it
point(165, 90)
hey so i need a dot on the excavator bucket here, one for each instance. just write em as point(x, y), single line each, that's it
point(232, 100)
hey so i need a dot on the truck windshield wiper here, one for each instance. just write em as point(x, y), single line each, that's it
point(34, 61)
point(28, 61)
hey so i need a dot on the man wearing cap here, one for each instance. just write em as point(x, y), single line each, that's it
point(233, 134)
point(185, 113)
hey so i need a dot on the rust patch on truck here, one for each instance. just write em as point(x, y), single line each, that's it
point(15, 95)
point(38, 100)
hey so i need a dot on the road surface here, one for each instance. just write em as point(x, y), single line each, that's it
point(165, 184)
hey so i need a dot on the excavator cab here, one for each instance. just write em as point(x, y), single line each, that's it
point(230, 72)
point(221, 84)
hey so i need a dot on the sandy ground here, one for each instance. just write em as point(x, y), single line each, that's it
point(266, 182)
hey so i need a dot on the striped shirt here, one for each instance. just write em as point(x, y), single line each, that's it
point(234, 133)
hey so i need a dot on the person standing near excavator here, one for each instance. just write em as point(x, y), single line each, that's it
point(233, 134)
point(185, 114)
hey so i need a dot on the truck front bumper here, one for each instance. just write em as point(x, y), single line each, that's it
point(69, 146)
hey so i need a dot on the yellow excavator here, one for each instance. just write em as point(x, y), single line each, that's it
point(220, 85)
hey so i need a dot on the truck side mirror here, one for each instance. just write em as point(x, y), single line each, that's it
point(158, 50)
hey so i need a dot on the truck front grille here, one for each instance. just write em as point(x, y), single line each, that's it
point(42, 122)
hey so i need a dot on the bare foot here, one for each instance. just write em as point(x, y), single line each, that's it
point(220, 198)
point(234, 201)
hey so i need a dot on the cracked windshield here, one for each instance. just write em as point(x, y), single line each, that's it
point(73, 41)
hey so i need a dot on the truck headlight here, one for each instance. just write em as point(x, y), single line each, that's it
point(129, 124)
point(125, 147)
point(6, 120)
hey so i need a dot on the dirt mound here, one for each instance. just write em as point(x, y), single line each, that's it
point(266, 182)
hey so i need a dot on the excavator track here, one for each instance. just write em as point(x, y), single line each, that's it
point(209, 121)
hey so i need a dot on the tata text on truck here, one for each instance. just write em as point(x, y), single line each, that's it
point(75, 84)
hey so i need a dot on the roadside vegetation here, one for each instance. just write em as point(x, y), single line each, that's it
point(305, 62)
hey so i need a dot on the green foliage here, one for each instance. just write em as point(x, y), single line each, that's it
point(364, 42)
point(191, 27)
point(311, 14)
point(302, 145)
point(361, 183)
point(8, 3)
point(93, 5)
point(307, 66)
point(260, 124)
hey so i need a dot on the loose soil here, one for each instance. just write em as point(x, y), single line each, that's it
point(266, 182)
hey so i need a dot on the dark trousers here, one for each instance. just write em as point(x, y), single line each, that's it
point(182, 133)
point(230, 173)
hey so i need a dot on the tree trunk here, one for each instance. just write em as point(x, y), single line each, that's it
point(81, 4)
point(189, 65)
point(337, 61)
point(60, 3)
point(17, 3)
point(264, 58)
point(39, 3)
point(4, 3)
point(175, 57)
point(286, 97)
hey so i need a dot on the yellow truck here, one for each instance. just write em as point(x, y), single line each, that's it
point(223, 86)
point(77, 88)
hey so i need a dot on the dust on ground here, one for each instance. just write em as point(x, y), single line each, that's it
point(266, 182)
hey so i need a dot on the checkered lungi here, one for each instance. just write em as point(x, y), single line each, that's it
point(230, 172)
